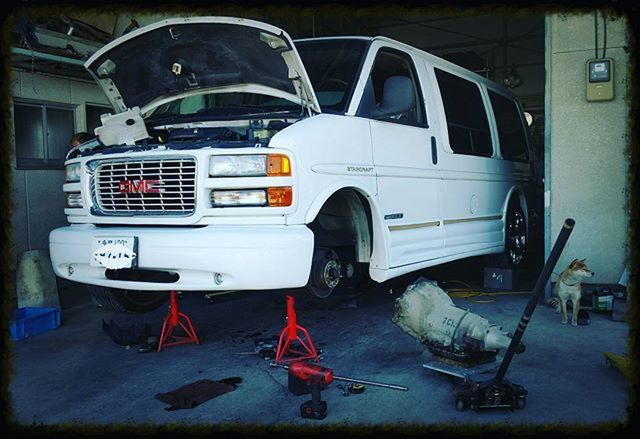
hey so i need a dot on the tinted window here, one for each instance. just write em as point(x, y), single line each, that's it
point(332, 66)
point(513, 140)
point(467, 121)
point(392, 92)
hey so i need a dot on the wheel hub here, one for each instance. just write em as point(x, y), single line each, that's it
point(331, 274)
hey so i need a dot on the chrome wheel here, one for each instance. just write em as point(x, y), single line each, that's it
point(516, 236)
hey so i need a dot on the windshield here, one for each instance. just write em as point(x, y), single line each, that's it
point(332, 66)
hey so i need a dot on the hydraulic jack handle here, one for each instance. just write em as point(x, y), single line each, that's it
point(561, 241)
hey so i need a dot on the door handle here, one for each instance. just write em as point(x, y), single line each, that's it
point(434, 151)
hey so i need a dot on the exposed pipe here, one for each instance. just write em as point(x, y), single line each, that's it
point(46, 56)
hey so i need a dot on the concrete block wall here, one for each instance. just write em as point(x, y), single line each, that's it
point(587, 158)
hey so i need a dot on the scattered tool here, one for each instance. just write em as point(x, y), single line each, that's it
point(285, 352)
point(500, 392)
point(265, 349)
point(352, 380)
point(174, 318)
point(350, 388)
point(303, 375)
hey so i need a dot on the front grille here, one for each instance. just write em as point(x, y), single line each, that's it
point(165, 186)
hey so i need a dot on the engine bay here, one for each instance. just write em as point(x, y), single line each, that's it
point(130, 134)
point(254, 131)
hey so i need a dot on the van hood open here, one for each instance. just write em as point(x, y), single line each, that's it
point(186, 56)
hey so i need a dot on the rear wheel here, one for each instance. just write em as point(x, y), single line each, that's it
point(127, 300)
point(515, 244)
point(516, 236)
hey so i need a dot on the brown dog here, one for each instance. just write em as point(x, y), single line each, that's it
point(568, 287)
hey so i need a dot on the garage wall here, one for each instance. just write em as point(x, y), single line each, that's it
point(38, 201)
point(587, 146)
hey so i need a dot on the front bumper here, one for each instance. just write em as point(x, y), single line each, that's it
point(247, 257)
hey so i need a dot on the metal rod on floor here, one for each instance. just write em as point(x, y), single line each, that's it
point(352, 380)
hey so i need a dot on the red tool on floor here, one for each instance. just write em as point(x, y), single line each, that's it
point(285, 353)
point(172, 320)
point(303, 375)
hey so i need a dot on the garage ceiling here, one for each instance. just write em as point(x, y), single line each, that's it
point(491, 45)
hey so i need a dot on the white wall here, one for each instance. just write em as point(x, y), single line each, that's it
point(38, 201)
point(587, 146)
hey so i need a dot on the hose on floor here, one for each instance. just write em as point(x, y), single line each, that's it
point(475, 295)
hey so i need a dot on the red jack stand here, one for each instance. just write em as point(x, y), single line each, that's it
point(289, 334)
point(171, 321)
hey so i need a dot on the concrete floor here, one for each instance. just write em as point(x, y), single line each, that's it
point(77, 374)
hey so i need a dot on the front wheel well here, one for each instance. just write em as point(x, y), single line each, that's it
point(345, 220)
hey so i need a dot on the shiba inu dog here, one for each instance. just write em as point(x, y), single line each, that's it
point(568, 287)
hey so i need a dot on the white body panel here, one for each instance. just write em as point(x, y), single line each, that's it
point(196, 255)
point(451, 209)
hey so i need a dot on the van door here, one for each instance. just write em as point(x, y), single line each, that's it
point(405, 157)
point(474, 181)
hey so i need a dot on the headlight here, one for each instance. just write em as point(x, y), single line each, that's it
point(249, 165)
point(271, 196)
point(72, 172)
point(251, 197)
point(74, 199)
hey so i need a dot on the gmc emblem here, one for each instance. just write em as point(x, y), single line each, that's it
point(140, 187)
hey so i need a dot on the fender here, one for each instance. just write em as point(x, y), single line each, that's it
point(325, 194)
point(379, 254)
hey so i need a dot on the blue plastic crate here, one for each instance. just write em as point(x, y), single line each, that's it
point(30, 321)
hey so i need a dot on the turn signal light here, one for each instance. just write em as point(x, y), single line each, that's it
point(280, 196)
point(278, 165)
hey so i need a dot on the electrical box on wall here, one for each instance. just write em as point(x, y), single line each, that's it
point(600, 79)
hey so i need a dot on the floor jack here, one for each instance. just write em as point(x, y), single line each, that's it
point(176, 318)
point(500, 392)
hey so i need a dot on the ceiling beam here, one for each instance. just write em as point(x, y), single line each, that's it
point(497, 41)
point(405, 22)
point(46, 56)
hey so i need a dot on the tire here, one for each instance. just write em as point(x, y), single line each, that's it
point(460, 405)
point(127, 300)
point(325, 273)
point(515, 240)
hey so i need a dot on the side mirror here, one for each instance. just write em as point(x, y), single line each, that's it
point(397, 97)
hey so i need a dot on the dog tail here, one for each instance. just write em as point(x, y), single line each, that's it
point(553, 302)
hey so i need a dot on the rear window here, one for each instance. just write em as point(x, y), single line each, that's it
point(513, 138)
point(467, 121)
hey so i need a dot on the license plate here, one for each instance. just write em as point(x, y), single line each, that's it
point(114, 252)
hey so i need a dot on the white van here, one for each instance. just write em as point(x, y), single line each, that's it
point(237, 160)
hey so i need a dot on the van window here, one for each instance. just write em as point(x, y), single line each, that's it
point(513, 140)
point(392, 92)
point(467, 121)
